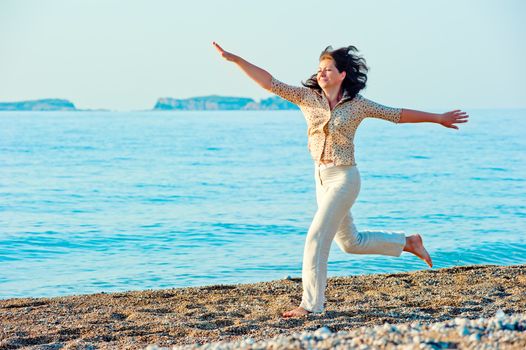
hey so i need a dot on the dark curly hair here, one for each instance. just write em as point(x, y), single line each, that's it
point(345, 59)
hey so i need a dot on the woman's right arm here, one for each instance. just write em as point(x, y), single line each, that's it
point(294, 94)
point(260, 76)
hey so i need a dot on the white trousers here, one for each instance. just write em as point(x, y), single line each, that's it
point(336, 190)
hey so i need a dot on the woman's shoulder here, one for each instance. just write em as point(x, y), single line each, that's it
point(362, 104)
point(362, 100)
point(358, 99)
point(295, 94)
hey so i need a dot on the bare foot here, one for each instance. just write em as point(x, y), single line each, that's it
point(414, 245)
point(297, 312)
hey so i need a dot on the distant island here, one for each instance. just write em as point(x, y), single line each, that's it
point(216, 103)
point(49, 104)
point(203, 103)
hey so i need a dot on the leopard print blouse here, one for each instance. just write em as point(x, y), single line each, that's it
point(331, 133)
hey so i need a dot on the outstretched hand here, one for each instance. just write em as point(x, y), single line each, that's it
point(225, 54)
point(449, 119)
point(260, 76)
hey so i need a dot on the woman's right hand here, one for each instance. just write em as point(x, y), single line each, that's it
point(225, 54)
point(260, 76)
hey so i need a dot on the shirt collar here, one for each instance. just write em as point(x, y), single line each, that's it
point(345, 96)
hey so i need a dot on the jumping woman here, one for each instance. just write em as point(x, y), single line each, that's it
point(333, 109)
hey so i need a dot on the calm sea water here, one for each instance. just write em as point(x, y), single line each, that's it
point(105, 201)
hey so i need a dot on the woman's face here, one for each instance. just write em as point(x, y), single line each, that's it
point(328, 75)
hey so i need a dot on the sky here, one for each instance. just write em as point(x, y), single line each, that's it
point(124, 55)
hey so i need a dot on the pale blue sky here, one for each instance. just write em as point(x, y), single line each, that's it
point(123, 55)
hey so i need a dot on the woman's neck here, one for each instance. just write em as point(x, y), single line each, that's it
point(333, 95)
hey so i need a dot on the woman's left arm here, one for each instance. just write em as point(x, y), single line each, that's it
point(448, 119)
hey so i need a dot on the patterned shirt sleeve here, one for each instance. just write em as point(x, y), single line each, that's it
point(376, 110)
point(294, 94)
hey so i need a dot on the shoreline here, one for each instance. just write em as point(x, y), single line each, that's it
point(198, 315)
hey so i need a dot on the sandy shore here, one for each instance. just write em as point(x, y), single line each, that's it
point(134, 320)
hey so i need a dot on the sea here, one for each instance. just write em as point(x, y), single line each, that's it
point(94, 202)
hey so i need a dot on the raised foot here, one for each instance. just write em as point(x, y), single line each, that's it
point(297, 312)
point(415, 245)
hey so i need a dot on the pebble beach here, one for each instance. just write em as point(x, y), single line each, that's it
point(471, 307)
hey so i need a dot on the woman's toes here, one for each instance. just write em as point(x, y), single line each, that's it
point(421, 252)
point(427, 258)
point(299, 311)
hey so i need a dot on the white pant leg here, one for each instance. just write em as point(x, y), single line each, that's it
point(368, 242)
point(339, 188)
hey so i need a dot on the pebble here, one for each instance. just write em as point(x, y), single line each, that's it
point(458, 333)
point(322, 333)
point(500, 314)
point(463, 331)
point(475, 337)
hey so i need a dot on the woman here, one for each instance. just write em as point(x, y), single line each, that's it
point(333, 109)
